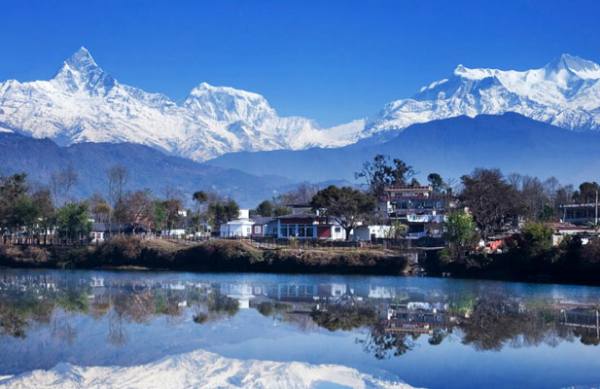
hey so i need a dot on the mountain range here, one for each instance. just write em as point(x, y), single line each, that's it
point(451, 147)
point(84, 103)
point(543, 122)
point(147, 168)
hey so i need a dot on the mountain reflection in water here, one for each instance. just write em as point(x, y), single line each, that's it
point(387, 318)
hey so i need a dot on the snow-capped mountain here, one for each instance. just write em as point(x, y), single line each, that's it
point(565, 92)
point(84, 103)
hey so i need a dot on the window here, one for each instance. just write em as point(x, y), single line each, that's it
point(301, 231)
point(309, 231)
point(338, 229)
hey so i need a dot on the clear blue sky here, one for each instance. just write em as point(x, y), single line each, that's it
point(333, 61)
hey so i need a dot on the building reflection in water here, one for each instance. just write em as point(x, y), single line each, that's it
point(388, 320)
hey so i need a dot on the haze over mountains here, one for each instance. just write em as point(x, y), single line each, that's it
point(451, 147)
point(147, 169)
point(543, 121)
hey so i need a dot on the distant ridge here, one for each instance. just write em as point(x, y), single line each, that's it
point(451, 147)
point(147, 168)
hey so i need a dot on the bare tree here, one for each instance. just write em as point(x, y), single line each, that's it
point(117, 178)
point(62, 182)
point(303, 194)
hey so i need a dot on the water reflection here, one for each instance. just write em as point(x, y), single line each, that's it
point(394, 317)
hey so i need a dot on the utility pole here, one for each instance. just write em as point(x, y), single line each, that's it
point(596, 211)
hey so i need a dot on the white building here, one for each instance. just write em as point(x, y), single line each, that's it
point(371, 232)
point(239, 228)
point(178, 233)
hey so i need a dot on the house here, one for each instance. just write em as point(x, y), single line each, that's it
point(371, 232)
point(238, 228)
point(176, 233)
point(102, 231)
point(584, 213)
point(562, 230)
point(263, 227)
point(422, 210)
point(308, 226)
point(98, 231)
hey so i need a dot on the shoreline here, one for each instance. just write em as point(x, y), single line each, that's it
point(232, 256)
point(209, 256)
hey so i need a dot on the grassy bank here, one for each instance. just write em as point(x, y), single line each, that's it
point(571, 262)
point(210, 256)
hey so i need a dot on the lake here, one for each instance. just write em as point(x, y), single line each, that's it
point(164, 329)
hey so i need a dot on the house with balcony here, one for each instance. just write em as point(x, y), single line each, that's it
point(580, 214)
point(419, 207)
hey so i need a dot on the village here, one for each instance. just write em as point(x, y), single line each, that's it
point(441, 227)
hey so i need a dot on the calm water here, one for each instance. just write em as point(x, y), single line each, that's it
point(434, 333)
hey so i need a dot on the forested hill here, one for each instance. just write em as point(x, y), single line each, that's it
point(147, 168)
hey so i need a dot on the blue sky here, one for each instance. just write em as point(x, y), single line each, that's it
point(333, 61)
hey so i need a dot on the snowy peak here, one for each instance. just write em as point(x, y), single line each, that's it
point(225, 104)
point(565, 92)
point(81, 73)
point(82, 60)
point(582, 68)
point(474, 74)
point(83, 103)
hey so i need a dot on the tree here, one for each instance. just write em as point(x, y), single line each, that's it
point(303, 194)
point(281, 210)
point(42, 200)
point(265, 209)
point(534, 198)
point(73, 221)
point(117, 179)
point(200, 197)
point(348, 206)
point(159, 215)
point(587, 192)
point(62, 182)
point(172, 207)
point(222, 211)
point(437, 182)
point(397, 230)
point(460, 233)
point(491, 200)
point(135, 208)
point(13, 201)
point(537, 238)
point(25, 213)
point(99, 208)
point(381, 173)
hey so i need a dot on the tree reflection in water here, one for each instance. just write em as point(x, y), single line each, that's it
point(388, 321)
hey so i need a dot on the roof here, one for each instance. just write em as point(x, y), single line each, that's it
point(301, 215)
point(408, 188)
point(99, 227)
point(240, 221)
point(579, 205)
point(262, 219)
